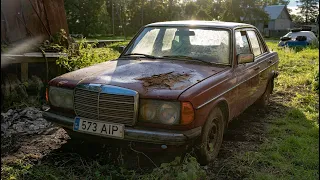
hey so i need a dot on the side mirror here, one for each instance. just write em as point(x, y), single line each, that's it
point(121, 49)
point(245, 58)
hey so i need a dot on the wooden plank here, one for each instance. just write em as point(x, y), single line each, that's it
point(24, 72)
point(17, 60)
point(33, 57)
point(36, 54)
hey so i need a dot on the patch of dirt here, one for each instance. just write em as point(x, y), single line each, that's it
point(164, 80)
point(34, 147)
point(55, 147)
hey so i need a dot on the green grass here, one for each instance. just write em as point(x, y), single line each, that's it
point(291, 150)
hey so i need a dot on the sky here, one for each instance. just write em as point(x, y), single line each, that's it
point(293, 5)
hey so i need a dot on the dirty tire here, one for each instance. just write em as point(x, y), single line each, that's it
point(211, 137)
point(264, 100)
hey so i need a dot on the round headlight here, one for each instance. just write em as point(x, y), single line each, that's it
point(147, 112)
point(60, 97)
point(54, 97)
point(169, 113)
point(68, 101)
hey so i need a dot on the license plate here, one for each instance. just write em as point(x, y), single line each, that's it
point(98, 128)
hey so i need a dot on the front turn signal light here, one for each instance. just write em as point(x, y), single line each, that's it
point(187, 113)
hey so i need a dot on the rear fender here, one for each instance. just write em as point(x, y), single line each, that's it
point(274, 74)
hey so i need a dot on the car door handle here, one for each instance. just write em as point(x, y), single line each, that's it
point(256, 68)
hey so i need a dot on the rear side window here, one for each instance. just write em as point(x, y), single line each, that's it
point(256, 49)
point(242, 44)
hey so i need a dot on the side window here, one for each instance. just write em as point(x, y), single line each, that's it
point(242, 44)
point(256, 49)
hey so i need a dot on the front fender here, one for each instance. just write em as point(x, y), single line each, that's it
point(203, 112)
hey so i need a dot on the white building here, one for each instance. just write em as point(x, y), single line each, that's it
point(279, 23)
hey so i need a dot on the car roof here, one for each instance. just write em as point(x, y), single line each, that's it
point(230, 25)
point(310, 33)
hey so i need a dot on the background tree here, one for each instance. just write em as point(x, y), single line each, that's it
point(126, 17)
point(190, 10)
point(217, 9)
point(87, 17)
point(297, 19)
point(309, 9)
point(244, 10)
point(277, 2)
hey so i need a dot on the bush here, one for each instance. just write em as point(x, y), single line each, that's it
point(84, 54)
point(189, 169)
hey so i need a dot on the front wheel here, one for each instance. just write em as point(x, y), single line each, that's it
point(211, 137)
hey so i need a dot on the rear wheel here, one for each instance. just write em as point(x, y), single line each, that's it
point(264, 100)
point(211, 137)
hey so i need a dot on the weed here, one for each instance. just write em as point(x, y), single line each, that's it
point(85, 54)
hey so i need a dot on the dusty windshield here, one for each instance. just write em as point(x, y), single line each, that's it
point(210, 45)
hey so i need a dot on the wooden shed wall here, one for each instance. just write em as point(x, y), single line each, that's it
point(19, 19)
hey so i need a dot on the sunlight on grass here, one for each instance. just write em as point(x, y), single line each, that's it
point(291, 150)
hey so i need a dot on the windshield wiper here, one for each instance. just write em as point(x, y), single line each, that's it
point(187, 57)
point(140, 54)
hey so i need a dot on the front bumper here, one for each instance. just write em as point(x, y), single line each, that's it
point(167, 137)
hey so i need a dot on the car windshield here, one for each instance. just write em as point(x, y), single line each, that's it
point(210, 45)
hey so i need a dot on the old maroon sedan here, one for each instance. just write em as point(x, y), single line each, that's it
point(176, 83)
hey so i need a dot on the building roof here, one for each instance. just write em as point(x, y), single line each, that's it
point(274, 11)
point(201, 23)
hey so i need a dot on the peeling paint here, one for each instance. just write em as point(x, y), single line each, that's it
point(167, 80)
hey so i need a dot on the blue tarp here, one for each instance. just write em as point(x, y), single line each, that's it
point(296, 43)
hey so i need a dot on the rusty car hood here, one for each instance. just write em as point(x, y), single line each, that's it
point(165, 79)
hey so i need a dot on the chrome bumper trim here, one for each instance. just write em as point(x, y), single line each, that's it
point(168, 137)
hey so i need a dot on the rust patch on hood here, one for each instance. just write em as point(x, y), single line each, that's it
point(165, 80)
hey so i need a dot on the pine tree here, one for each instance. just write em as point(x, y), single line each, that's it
point(309, 9)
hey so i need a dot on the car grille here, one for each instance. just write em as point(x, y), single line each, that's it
point(105, 107)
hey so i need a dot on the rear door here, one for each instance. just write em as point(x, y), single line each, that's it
point(263, 60)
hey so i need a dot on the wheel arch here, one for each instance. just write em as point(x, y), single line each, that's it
point(271, 78)
point(223, 104)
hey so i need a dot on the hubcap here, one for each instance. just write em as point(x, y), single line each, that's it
point(212, 137)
